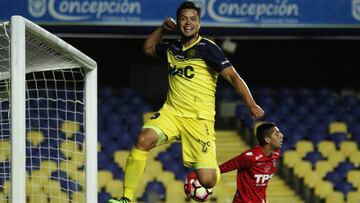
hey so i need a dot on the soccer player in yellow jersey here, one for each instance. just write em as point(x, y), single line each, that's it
point(187, 115)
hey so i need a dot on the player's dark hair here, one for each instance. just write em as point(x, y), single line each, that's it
point(264, 130)
point(187, 5)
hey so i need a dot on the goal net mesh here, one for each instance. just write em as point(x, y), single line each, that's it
point(55, 152)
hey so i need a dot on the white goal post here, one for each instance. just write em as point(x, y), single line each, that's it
point(48, 117)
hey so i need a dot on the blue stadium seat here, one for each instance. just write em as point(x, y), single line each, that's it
point(103, 196)
point(338, 137)
point(335, 178)
point(154, 187)
point(313, 157)
point(344, 187)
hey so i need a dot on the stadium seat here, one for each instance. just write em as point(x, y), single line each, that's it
point(311, 178)
point(153, 168)
point(338, 138)
point(335, 158)
point(322, 167)
point(69, 148)
point(334, 177)
point(344, 187)
point(323, 188)
point(302, 147)
point(69, 127)
point(335, 197)
point(343, 167)
point(52, 187)
point(166, 177)
point(48, 166)
point(338, 127)
point(78, 196)
point(354, 158)
point(325, 147)
point(291, 157)
point(347, 147)
point(5, 150)
point(353, 197)
point(313, 157)
point(120, 157)
point(114, 188)
point(175, 192)
point(58, 197)
point(301, 167)
point(155, 187)
point(35, 137)
point(353, 177)
point(36, 197)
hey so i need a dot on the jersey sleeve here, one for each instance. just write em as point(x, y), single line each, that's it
point(161, 49)
point(215, 57)
point(239, 162)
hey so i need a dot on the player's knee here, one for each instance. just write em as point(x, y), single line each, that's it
point(146, 140)
point(208, 182)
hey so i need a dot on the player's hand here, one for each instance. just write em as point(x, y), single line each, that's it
point(169, 24)
point(256, 112)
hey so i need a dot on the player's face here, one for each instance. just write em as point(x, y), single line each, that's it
point(189, 24)
point(276, 138)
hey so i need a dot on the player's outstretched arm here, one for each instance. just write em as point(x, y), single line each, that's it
point(169, 24)
point(240, 86)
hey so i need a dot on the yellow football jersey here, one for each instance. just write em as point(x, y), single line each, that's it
point(193, 73)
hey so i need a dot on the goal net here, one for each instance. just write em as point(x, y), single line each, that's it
point(48, 119)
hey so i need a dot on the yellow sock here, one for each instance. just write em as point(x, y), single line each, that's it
point(135, 165)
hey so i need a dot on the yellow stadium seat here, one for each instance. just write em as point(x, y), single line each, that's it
point(114, 188)
point(338, 127)
point(347, 147)
point(69, 128)
point(104, 176)
point(355, 158)
point(69, 166)
point(120, 157)
point(166, 177)
point(301, 167)
point(290, 158)
point(6, 187)
point(37, 197)
point(153, 168)
point(302, 147)
point(52, 187)
point(335, 197)
point(78, 197)
point(322, 167)
point(353, 177)
point(323, 188)
point(335, 158)
point(58, 197)
point(78, 176)
point(33, 187)
point(174, 194)
point(4, 150)
point(39, 176)
point(69, 148)
point(325, 147)
point(48, 166)
point(311, 179)
point(35, 137)
point(353, 197)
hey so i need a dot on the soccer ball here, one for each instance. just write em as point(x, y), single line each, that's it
point(194, 190)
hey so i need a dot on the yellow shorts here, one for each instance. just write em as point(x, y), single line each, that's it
point(197, 137)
